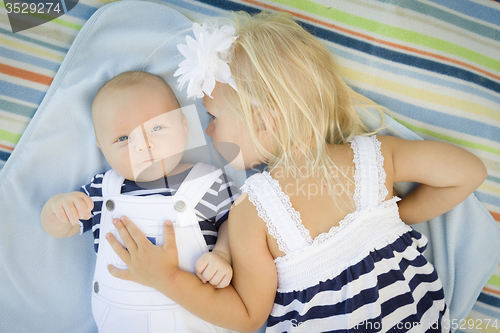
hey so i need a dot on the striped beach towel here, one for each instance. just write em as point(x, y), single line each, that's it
point(434, 63)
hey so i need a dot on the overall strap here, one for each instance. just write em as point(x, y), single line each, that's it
point(369, 171)
point(112, 183)
point(198, 182)
point(266, 198)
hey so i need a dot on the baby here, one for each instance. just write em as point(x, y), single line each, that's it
point(142, 133)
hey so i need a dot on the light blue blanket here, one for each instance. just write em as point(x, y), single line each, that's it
point(45, 283)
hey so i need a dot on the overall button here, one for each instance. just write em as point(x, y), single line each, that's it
point(180, 206)
point(96, 287)
point(110, 205)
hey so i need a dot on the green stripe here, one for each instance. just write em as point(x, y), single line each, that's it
point(451, 139)
point(48, 18)
point(391, 31)
point(9, 136)
point(16, 108)
point(34, 41)
point(494, 280)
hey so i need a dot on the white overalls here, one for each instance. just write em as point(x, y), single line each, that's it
point(125, 306)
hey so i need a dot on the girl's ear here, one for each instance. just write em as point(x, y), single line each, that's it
point(265, 122)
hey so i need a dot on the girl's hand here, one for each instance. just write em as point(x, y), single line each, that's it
point(148, 264)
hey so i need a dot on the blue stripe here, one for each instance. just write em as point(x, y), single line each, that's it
point(82, 11)
point(472, 9)
point(29, 59)
point(426, 302)
point(449, 17)
point(229, 5)
point(406, 59)
point(329, 312)
point(493, 179)
point(197, 9)
point(4, 155)
point(364, 266)
point(16, 108)
point(423, 278)
point(486, 311)
point(345, 277)
point(22, 93)
point(396, 302)
point(347, 306)
point(377, 51)
point(409, 72)
point(489, 300)
point(408, 323)
point(493, 200)
point(436, 118)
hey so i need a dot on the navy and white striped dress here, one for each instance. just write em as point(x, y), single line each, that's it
point(366, 275)
point(211, 211)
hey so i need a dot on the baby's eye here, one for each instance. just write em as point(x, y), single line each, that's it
point(122, 138)
point(211, 115)
point(157, 128)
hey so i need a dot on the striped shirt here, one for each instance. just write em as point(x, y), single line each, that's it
point(211, 211)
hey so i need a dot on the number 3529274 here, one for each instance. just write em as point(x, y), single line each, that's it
point(32, 8)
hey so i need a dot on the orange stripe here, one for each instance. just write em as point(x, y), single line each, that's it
point(496, 216)
point(6, 147)
point(373, 39)
point(26, 75)
point(493, 291)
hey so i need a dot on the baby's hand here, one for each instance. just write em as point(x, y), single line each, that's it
point(71, 207)
point(215, 268)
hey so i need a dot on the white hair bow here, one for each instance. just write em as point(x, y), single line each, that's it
point(207, 58)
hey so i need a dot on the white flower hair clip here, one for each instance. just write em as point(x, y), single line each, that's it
point(207, 59)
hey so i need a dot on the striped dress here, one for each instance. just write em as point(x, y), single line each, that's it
point(366, 275)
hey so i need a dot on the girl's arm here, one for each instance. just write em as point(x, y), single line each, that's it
point(447, 175)
point(243, 306)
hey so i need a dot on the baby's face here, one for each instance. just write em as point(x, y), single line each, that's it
point(141, 131)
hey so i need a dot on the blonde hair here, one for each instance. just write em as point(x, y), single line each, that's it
point(290, 82)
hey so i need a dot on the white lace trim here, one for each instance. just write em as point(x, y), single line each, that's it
point(263, 215)
point(295, 216)
point(382, 189)
point(357, 175)
point(285, 200)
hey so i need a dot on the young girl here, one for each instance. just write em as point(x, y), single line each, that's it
point(318, 243)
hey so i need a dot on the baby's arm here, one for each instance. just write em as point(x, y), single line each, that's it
point(215, 267)
point(61, 214)
point(447, 175)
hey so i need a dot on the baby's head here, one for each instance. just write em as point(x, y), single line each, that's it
point(139, 126)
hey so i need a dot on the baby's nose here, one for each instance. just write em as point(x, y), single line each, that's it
point(143, 144)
